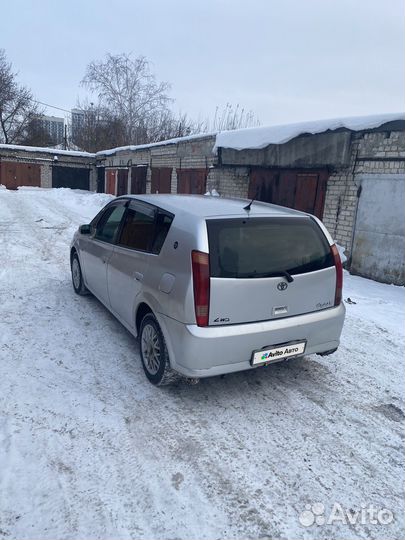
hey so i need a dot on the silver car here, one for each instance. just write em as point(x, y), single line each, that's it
point(212, 285)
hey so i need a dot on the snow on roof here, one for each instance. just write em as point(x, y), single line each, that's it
point(46, 150)
point(239, 139)
point(132, 148)
point(260, 137)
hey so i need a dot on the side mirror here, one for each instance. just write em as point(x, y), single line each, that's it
point(85, 229)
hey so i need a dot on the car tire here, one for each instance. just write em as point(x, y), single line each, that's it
point(77, 277)
point(154, 355)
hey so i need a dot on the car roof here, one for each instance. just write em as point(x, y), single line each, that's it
point(209, 206)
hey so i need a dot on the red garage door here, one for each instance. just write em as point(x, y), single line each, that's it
point(299, 189)
point(13, 174)
point(110, 176)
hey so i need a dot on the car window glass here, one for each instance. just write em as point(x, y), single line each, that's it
point(163, 223)
point(108, 224)
point(139, 228)
point(254, 248)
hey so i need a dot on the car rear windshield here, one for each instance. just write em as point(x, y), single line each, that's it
point(266, 247)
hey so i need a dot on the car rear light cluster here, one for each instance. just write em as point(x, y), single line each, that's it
point(339, 274)
point(201, 284)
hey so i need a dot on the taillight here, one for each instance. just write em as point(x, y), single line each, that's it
point(201, 284)
point(339, 274)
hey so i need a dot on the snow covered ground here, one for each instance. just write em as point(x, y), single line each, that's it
point(89, 449)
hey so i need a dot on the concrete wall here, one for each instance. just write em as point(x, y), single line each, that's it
point(309, 151)
point(379, 234)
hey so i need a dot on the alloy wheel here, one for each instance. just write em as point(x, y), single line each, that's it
point(150, 349)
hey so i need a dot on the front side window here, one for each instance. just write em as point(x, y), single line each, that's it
point(108, 224)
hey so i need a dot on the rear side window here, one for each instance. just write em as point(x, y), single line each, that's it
point(139, 227)
point(163, 223)
point(145, 228)
point(264, 247)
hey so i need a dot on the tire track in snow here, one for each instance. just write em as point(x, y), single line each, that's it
point(100, 452)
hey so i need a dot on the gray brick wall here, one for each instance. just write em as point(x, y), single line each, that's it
point(373, 153)
point(148, 180)
point(233, 181)
point(46, 176)
point(195, 153)
point(174, 181)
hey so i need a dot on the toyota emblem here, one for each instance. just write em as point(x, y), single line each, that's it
point(282, 286)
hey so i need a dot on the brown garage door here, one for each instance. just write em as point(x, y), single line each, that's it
point(299, 189)
point(122, 182)
point(161, 180)
point(191, 181)
point(13, 174)
point(138, 180)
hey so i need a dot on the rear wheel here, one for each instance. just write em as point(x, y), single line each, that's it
point(77, 276)
point(154, 355)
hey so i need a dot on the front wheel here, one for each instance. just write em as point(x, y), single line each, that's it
point(77, 277)
point(154, 355)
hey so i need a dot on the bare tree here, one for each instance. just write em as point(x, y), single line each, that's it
point(127, 88)
point(230, 117)
point(166, 125)
point(17, 107)
point(36, 135)
point(99, 129)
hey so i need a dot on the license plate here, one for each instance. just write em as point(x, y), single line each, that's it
point(278, 352)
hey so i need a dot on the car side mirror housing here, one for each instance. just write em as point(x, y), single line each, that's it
point(85, 229)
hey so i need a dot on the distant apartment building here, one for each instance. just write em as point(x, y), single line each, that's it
point(54, 126)
point(78, 117)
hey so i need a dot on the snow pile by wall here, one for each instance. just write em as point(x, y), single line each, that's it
point(260, 137)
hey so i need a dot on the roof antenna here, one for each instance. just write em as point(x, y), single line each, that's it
point(247, 207)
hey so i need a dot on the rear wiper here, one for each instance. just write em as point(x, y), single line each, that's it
point(287, 276)
point(280, 273)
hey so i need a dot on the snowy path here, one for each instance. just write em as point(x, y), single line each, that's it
point(89, 449)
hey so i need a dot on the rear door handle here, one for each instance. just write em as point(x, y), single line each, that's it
point(138, 276)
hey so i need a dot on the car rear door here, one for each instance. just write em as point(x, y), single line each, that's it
point(268, 268)
point(96, 249)
point(129, 272)
point(128, 265)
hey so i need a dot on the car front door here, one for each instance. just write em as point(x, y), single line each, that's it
point(96, 250)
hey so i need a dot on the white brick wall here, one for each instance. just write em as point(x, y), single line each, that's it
point(46, 176)
point(229, 181)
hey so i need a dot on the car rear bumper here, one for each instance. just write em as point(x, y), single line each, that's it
point(207, 351)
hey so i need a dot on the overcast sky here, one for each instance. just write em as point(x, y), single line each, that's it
point(286, 60)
